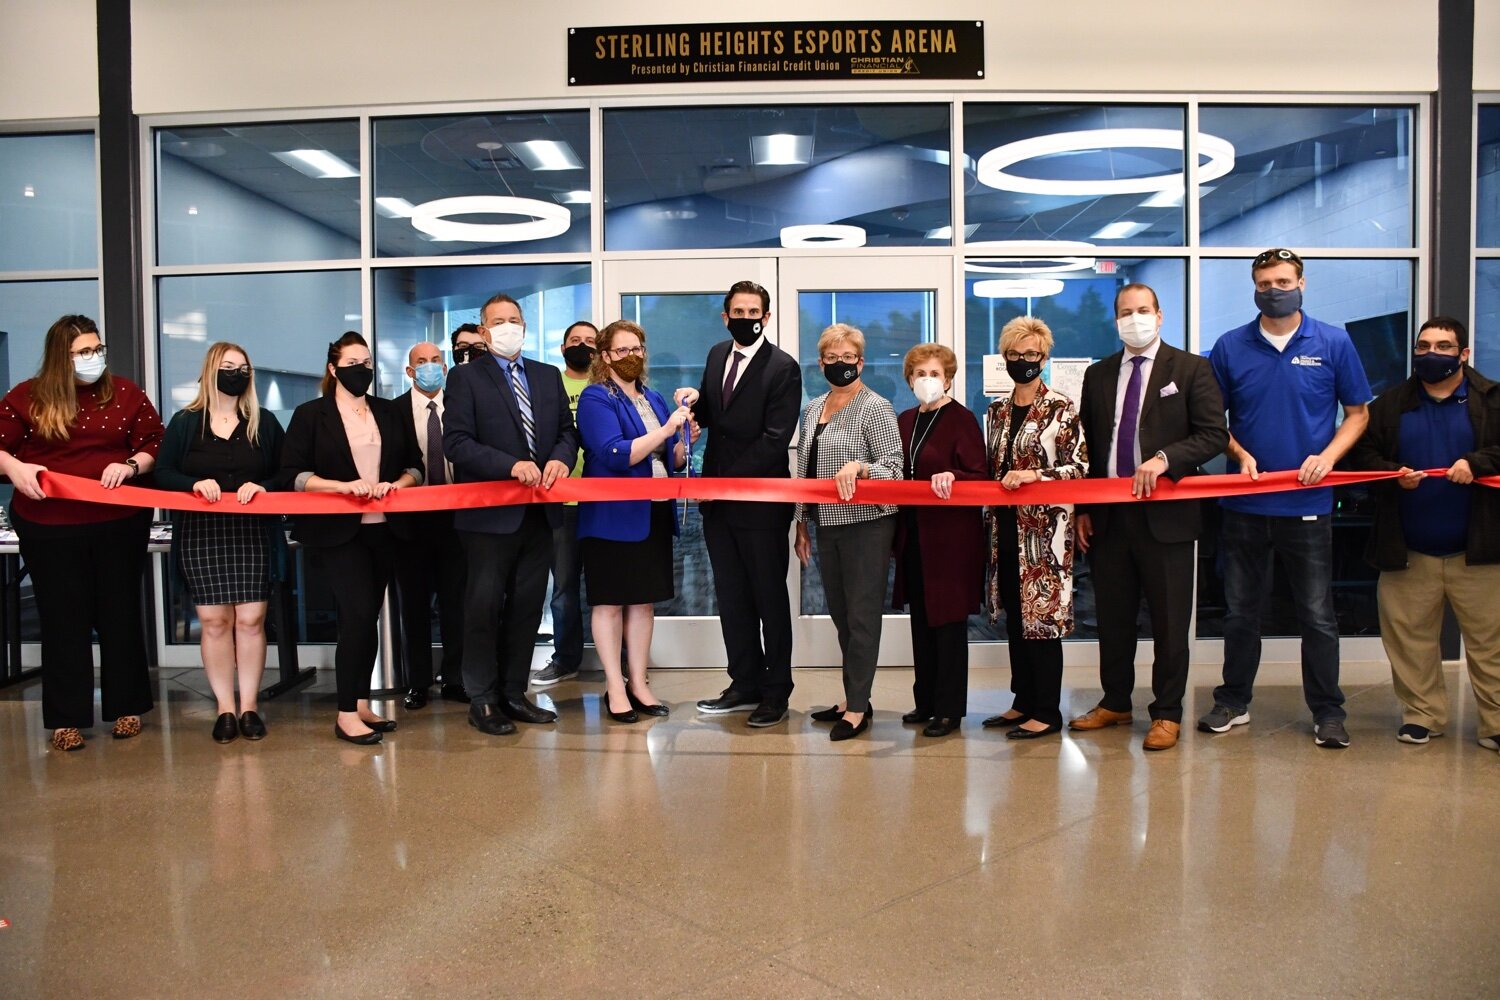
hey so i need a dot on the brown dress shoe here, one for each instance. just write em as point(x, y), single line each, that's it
point(1163, 735)
point(1100, 717)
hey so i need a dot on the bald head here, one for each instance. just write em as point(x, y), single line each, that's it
point(423, 353)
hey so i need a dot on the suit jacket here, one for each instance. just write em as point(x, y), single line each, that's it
point(1187, 426)
point(316, 443)
point(753, 434)
point(435, 520)
point(484, 437)
point(608, 422)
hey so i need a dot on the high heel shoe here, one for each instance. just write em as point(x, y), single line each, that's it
point(842, 730)
point(226, 728)
point(658, 710)
point(364, 739)
point(833, 714)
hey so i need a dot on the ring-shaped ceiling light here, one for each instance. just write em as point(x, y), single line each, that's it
point(822, 236)
point(544, 219)
point(992, 165)
point(1017, 288)
point(1048, 265)
point(1018, 248)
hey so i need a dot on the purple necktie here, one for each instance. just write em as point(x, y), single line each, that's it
point(734, 367)
point(1129, 415)
point(437, 461)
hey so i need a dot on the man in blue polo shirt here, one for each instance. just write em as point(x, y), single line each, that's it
point(1284, 375)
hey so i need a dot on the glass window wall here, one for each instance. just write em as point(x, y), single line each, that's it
point(49, 218)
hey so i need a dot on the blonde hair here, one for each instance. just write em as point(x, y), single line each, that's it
point(841, 333)
point(1020, 329)
point(924, 352)
point(599, 368)
point(54, 392)
point(208, 390)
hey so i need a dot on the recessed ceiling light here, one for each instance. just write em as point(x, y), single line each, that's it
point(946, 232)
point(1165, 198)
point(781, 149)
point(28, 191)
point(193, 150)
point(1017, 288)
point(192, 210)
point(546, 154)
point(394, 208)
point(316, 163)
point(573, 198)
point(1122, 230)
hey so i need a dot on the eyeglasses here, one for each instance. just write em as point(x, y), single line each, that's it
point(845, 358)
point(88, 352)
point(1441, 347)
point(244, 370)
point(626, 352)
point(1271, 257)
point(1024, 355)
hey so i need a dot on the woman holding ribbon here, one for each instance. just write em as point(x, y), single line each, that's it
point(847, 434)
point(939, 548)
point(1034, 436)
point(223, 447)
point(352, 444)
point(628, 432)
point(85, 559)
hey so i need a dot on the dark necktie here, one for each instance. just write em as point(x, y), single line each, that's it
point(523, 401)
point(437, 459)
point(1130, 415)
point(734, 369)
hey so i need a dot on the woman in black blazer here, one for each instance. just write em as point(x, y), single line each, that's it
point(348, 442)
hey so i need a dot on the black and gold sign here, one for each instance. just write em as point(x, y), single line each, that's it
point(810, 50)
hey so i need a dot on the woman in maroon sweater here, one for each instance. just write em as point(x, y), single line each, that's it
point(940, 554)
point(85, 559)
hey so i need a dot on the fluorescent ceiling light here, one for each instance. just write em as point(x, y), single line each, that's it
point(1017, 288)
point(1165, 198)
point(781, 149)
point(28, 191)
point(394, 208)
point(1122, 230)
point(574, 197)
point(546, 154)
point(992, 165)
point(317, 163)
point(822, 236)
point(946, 232)
point(543, 219)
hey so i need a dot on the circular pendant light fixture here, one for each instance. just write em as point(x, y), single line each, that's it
point(822, 236)
point(543, 219)
point(992, 165)
point(1017, 288)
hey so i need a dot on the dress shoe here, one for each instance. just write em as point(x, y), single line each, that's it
point(1099, 717)
point(226, 728)
point(415, 698)
point(1163, 735)
point(521, 710)
point(941, 727)
point(915, 716)
point(833, 714)
point(767, 714)
point(381, 725)
point(1026, 734)
point(364, 739)
point(842, 730)
point(729, 700)
point(487, 719)
point(454, 692)
point(1001, 721)
point(252, 727)
point(658, 710)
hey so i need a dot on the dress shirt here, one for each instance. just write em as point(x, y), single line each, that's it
point(746, 354)
point(1124, 382)
point(419, 420)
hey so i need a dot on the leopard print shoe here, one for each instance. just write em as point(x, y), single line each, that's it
point(127, 726)
point(67, 739)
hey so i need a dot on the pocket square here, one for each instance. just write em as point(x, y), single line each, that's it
point(1170, 389)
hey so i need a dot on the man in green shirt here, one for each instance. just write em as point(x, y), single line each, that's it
point(567, 596)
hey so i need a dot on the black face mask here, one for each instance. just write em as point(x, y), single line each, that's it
point(578, 357)
point(1023, 371)
point(1433, 368)
point(463, 355)
point(745, 331)
point(355, 378)
point(841, 374)
point(232, 383)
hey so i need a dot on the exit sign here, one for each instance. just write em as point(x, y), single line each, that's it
point(1106, 266)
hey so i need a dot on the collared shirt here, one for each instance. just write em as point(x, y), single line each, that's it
point(419, 420)
point(746, 354)
point(1120, 388)
point(1284, 405)
point(1435, 515)
point(520, 362)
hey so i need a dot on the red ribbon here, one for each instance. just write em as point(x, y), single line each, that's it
point(464, 496)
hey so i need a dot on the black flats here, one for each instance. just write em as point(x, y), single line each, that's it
point(1026, 734)
point(364, 739)
point(381, 725)
point(252, 727)
point(658, 710)
point(842, 730)
point(941, 727)
point(1001, 721)
point(833, 714)
point(226, 728)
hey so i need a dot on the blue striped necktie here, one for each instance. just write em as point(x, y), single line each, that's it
point(523, 400)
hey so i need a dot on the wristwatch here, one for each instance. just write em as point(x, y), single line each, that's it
point(135, 467)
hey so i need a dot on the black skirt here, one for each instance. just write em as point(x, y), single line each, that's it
point(632, 572)
point(224, 557)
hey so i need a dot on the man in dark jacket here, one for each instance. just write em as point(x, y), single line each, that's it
point(1437, 538)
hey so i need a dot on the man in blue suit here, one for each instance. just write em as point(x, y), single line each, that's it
point(507, 418)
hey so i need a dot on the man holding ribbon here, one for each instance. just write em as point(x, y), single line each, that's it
point(1284, 375)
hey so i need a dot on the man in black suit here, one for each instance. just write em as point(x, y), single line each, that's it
point(432, 564)
point(1148, 411)
point(507, 418)
point(749, 402)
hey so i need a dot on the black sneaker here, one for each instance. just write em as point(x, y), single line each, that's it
point(767, 714)
point(1413, 733)
point(1221, 719)
point(729, 700)
point(552, 673)
point(1331, 734)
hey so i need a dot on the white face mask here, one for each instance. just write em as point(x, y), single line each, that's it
point(88, 370)
point(927, 389)
point(1138, 330)
point(507, 338)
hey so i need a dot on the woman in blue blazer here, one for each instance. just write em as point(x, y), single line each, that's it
point(627, 431)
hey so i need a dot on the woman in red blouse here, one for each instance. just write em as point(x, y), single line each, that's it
point(85, 559)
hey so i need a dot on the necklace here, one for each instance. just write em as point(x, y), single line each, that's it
point(919, 435)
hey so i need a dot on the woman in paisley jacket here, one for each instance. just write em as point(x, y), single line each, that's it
point(1034, 434)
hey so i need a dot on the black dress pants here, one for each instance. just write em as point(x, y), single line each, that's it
point(506, 588)
point(940, 653)
point(86, 579)
point(1035, 664)
point(431, 566)
point(755, 613)
point(358, 572)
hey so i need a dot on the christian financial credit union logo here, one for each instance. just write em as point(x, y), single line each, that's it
point(883, 66)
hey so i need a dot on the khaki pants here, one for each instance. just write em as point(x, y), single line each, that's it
point(1411, 618)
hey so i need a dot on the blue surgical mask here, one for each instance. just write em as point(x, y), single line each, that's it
point(1278, 303)
point(88, 370)
point(429, 376)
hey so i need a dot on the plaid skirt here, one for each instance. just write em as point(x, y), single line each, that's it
point(225, 557)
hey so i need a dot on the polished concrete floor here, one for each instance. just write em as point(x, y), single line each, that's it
point(693, 857)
